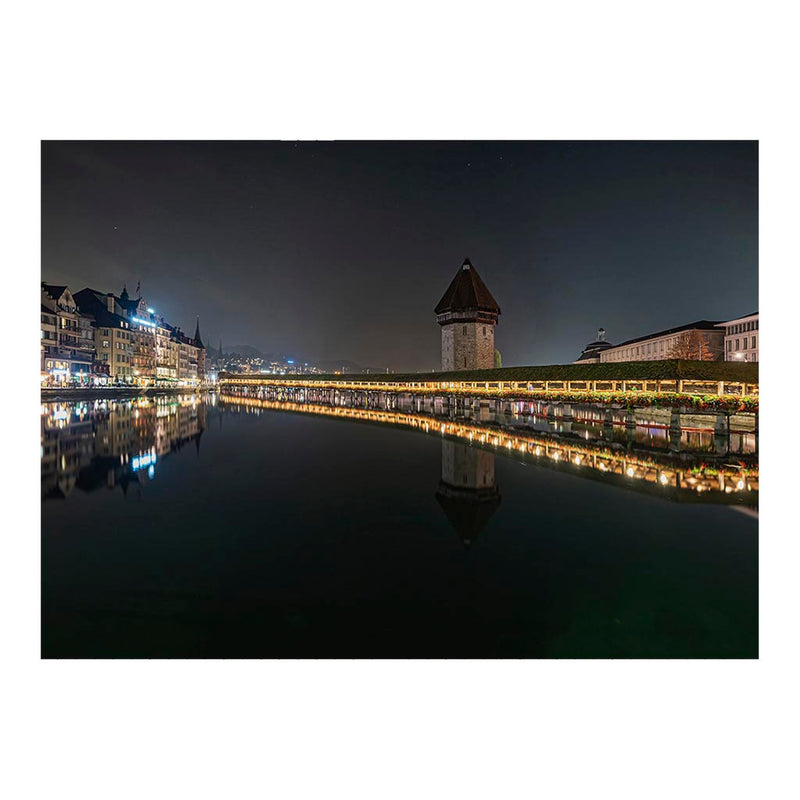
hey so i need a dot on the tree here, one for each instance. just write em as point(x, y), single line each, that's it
point(691, 346)
point(498, 359)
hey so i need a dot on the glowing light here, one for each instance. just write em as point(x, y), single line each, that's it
point(663, 479)
point(151, 311)
point(630, 472)
point(142, 461)
point(740, 485)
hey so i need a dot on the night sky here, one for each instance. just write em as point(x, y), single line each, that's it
point(333, 251)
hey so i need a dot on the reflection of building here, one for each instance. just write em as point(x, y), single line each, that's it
point(467, 491)
point(701, 340)
point(67, 447)
point(467, 313)
point(591, 353)
point(741, 338)
point(113, 443)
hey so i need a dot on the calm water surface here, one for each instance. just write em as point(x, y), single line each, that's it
point(199, 527)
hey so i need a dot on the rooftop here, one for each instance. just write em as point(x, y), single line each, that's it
point(700, 325)
point(466, 292)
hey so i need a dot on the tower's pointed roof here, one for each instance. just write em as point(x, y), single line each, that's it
point(468, 510)
point(467, 291)
point(197, 339)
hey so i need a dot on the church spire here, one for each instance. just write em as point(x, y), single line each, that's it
point(197, 339)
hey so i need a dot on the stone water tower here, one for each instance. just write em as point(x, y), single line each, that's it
point(467, 314)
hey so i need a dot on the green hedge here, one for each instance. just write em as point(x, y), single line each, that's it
point(627, 370)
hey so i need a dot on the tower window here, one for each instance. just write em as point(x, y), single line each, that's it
point(464, 329)
point(484, 330)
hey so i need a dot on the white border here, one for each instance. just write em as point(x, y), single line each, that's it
point(399, 729)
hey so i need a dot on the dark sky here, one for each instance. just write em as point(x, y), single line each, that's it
point(341, 250)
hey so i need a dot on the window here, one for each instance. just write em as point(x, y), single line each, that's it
point(737, 344)
point(464, 330)
point(105, 342)
point(753, 342)
point(730, 345)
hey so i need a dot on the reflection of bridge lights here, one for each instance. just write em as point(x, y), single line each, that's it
point(663, 479)
point(740, 485)
point(644, 470)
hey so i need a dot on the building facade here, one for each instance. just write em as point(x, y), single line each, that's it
point(467, 314)
point(696, 341)
point(741, 338)
point(112, 333)
point(67, 341)
point(99, 337)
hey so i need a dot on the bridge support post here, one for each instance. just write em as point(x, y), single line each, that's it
point(675, 430)
point(722, 433)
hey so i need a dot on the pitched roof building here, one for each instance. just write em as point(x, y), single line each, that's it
point(467, 314)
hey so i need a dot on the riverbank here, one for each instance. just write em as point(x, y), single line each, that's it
point(115, 392)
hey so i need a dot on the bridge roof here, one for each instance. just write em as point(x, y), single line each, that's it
point(467, 291)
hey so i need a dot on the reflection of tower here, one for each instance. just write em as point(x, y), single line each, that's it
point(467, 491)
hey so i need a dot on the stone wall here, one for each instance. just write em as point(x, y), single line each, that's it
point(467, 345)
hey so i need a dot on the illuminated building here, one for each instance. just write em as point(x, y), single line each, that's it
point(741, 338)
point(67, 347)
point(467, 313)
point(113, 335)
point(696, 341)
point(135, 345)
point(201, 353)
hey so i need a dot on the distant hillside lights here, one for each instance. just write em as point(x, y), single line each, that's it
point(95, 338)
